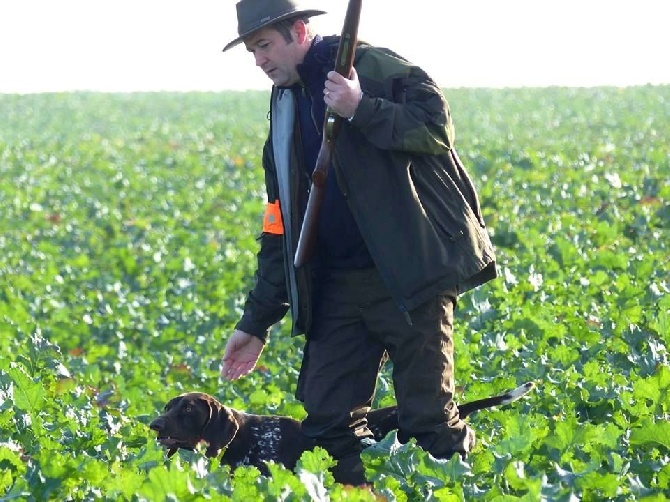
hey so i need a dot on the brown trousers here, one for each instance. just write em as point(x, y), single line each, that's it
point(356, 323)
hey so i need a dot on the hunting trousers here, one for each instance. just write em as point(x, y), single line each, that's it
point(356, 324)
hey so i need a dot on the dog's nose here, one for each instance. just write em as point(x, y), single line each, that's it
point(157, 425)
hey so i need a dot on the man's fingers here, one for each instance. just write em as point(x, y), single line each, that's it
point(234, 374)
point(228, 365)
point(229, 372)
point(336, 78)
point(231, 348)
point(240, 355)
point(232, 370)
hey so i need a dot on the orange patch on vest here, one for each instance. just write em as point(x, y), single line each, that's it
point(272, 222)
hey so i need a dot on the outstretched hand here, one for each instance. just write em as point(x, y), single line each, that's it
point(241, 355)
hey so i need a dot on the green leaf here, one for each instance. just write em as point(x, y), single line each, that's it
point(313, 485)
point(519, 436)
point(517, 477)
point(283, 481)
point(651, 433)
point(124, 483)
point(663, 477)
point(29, 393)
point(599, 484)
point(450, 471)
point(11, 465)
point(163, 483)
point(247, 484)
point(566, 434)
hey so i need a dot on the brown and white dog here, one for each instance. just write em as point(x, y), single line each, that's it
point(254, 440)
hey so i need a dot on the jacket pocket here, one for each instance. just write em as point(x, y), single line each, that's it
point(443, 202)
point(467, 187)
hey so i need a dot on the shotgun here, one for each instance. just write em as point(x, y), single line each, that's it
point(343, 63)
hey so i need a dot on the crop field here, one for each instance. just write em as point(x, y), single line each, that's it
point(128, 234)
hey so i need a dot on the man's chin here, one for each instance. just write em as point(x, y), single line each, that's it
point(280, 80)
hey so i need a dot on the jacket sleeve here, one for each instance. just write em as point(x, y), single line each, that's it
point(267, 302)
point(402, 107)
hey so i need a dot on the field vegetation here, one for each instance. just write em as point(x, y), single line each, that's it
point(128, 227)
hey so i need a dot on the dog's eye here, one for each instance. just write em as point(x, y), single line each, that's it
point(189, 409)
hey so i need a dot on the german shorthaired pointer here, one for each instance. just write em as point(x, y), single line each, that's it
point(254, 440)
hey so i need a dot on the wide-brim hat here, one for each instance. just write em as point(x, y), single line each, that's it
point(252, 15)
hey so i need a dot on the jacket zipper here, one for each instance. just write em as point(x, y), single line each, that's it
point(306, 93)
point(384, 276)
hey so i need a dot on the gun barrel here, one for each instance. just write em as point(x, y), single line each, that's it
point(344, 61)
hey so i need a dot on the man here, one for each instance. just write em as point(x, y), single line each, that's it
point(400, 236)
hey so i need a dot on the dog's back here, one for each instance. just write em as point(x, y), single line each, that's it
point(263, 438)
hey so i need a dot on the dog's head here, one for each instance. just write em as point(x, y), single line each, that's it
point(193, 417)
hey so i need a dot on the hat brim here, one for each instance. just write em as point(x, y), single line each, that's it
point(308, 13)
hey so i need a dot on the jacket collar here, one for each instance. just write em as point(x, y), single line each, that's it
point(311, 70)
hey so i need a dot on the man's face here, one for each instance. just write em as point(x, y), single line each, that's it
point(277, 58)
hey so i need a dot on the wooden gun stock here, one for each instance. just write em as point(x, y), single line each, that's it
point(343, 64)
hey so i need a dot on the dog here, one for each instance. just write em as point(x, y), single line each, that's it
point(249, 439)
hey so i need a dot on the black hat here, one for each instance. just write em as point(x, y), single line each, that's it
point(252, 15)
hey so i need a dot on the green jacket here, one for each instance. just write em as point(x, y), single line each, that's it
point(410, 195)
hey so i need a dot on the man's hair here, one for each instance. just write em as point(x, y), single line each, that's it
point(284, 27)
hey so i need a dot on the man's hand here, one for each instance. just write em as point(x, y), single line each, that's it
point(341, 94)
point(241, 355)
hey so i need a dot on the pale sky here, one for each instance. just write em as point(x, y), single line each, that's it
point(175, 45)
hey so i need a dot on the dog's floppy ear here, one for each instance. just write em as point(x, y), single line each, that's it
point(220, 430)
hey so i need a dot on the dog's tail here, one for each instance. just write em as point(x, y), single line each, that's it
point(509, 397)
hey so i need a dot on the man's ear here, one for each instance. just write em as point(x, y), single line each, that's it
point(300, 31)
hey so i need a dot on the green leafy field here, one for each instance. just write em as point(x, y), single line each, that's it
point(128, 228)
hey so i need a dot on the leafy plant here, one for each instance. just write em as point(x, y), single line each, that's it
point(128, 227)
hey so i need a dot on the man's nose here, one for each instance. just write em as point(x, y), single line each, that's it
point(260, 59)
